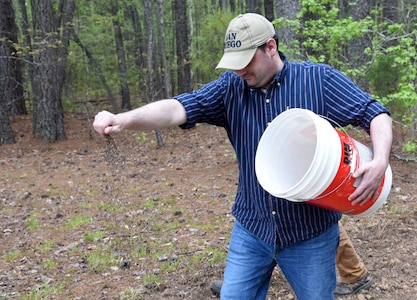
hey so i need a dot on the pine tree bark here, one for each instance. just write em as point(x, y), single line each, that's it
point(289, 10)
point(48, 117)
point(269, 10)
point(11, 81)
point(11, 89)
point(139, 52)
point(359, 9)
point(27, 44)
point(167, 80)
point(121, 57)
point(182, 43)
point(149, 59)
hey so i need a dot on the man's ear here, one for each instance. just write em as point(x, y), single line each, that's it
point(271, 44)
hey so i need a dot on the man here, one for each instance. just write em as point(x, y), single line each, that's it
point(353, 273)
point(301, 238)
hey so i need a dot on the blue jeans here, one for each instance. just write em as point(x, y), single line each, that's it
point(309, 266)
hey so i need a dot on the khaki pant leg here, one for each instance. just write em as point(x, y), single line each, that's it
point(348, 262)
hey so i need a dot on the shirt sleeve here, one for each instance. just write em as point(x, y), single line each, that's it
point(206, 105)
point(347, 103)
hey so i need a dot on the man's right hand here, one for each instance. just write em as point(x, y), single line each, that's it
point(106, 123)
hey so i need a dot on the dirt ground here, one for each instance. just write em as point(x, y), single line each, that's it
point(79, 221)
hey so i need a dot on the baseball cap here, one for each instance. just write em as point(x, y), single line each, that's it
point(244, 35)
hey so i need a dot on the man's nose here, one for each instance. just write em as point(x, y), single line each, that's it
point(240, 73)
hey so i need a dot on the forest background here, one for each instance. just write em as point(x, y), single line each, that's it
point(58, 57)
point(87, 218)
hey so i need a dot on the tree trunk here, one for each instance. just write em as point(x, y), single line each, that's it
point(27, 44)
point(149, 59)
point(391, 10)
point(149, 52)
point(121, 58)
point(8, 80)
point(181, 34)
point(161, 26)
point(138, 38)
point(223, 5)
point(390, 14)
point(250, 5)
point(232, 6)
point(359, 10)
point(289, 10)
point(11, 81)
point(67, 10)
point(6, 131)
point(48, 113)
point(269, 10)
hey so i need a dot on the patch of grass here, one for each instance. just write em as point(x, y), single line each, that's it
point(86, 205)
point(21, 176)
point(131, 294)
point(209, 227)
point(77, 221)
point(99, 259)
point(152, 279)
point(157, 255)
point(141, 137)
point(94, 236)
point(33, 222)
point(140, 252)
point(45, 246)
point(198, 256)
point(172, 226)
point(56, 190)
point(5, 210)
point(170, 201)
point(64, 193)
point(92, 192)
point(170, 266)
point(204, 226)
point(157, 227)
point(52, 188)
point(150, 203)
point(215, 255)
point(45, 291)
point(397, 210)
point(209, 254)
point(12, 255)
point(345, 218)
point(48, 264)
point(110, 207)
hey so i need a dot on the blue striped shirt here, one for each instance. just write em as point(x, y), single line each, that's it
point(245, 112)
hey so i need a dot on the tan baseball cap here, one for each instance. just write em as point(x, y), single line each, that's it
point(244, 35)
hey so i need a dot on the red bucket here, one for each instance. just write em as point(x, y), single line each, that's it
point(302, 158)
point(335, 197)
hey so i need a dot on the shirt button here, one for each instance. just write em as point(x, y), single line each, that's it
point(274, 212)
point(267, 100)
point(278, 84)
point(269, 123)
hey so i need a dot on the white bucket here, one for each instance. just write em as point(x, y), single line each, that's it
point(301, 157)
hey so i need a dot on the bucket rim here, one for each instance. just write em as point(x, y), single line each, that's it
point(280, 123)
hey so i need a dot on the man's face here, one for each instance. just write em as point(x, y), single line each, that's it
point(262, 68)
